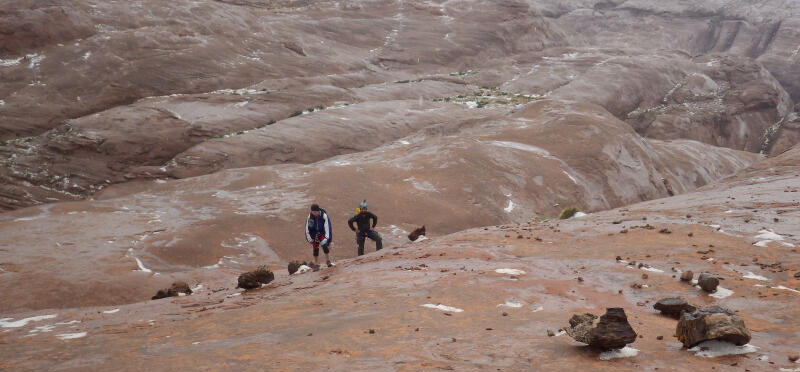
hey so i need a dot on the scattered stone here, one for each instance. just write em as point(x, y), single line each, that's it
point(295, 265)
point(708, 282)
point(793, 358)
point(254, 279)
point(687, 276)
point(618, 258)
point(505, 313)
point(644, 276)
point(623, 231)
point(636, 285)
point(580, 279)
point(690, 234)
point(711, 323)
point(659, 337)
point(371, 331)
point(550, 333)
point(665, 231)
point(673, 306)
point(609, 331)
point(420, 231)
point(174, 290)
point(797, 274)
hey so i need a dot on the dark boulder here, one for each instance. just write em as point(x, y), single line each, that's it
point(416, 233)
point(174, 290)
point(673, 307)
point(711, 323)
point(609, 331)
point(708, 282)
point(254, 279)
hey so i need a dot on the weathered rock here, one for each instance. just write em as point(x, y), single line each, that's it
point(609, 331)
point(416, 233)
point(711, 323)
point(673, 306)
point(687, 276)
point(254, 279)
point(174, 290)
point(708, 282)
point(295, 265)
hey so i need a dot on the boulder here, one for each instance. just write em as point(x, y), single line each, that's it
point(711, 323)
point(254, 279)
point(416, 233)
point(687, 276)
point(609, 331)
point(708, 282)
point(673, 306)
point(174, 290)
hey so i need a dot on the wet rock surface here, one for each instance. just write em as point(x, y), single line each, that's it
point(711, 323)
point(256, 278)
point(609, 331)
point(673, 306)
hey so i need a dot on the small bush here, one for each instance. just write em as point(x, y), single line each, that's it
point(567, 212)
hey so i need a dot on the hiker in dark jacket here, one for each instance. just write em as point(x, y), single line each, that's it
point(363, 229)
point(319, 233)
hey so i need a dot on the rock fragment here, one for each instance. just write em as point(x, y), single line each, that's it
point(254, 279)
point(711, 323)
point(708, 282)
point(609, 331)
point(687, 276)
point(174, 290)
point(420, 231)
point(673, 306)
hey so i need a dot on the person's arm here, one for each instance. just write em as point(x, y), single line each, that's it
point(327, 229)
point(308, 233)
point(350, 223)
point(374, 219)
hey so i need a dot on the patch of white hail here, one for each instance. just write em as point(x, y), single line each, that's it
point(510, 271)
point(510, 207)
point(10, 323)
point(721, 293)
point(625, 352)
point(715, 348)
point(443, 308)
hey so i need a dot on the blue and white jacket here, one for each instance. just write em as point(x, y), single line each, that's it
point(319, 227)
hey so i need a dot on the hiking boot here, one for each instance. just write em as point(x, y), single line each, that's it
point(315, 267)
point(328, 263)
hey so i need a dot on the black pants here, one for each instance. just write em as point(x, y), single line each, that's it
point(325, 248)
point(372, 234)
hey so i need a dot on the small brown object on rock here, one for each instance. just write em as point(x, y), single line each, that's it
point(687, 276)
point(659, 337)
point(794, 357)
point(550, 333)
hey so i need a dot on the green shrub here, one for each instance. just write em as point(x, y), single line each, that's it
point(567, 212)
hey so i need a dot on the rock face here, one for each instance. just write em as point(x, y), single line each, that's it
point(673, 306)
point(174, 290)
point(609, 331)
point(708, 282)
point(711, 323)
point(416, 233)
point(254, 279)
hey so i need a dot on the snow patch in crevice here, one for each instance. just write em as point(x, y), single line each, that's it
point(625, 352)
point(652, 269)
point(538, 309)
point(110, 311)
point(510, 207)
point(768, 235)
point(443, 308)
point(579, 214)
point(510, 271)
point(721, 292)
point(10, 323)
point(751, 275)
point(715, 348)
point(786, 289)
point(511, 304)
point(69, 336)
point(302, 269)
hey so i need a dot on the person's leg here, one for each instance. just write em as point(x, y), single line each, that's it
point(316, 254)
point(377, 238)
point(327, 249)
point(360, 241)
